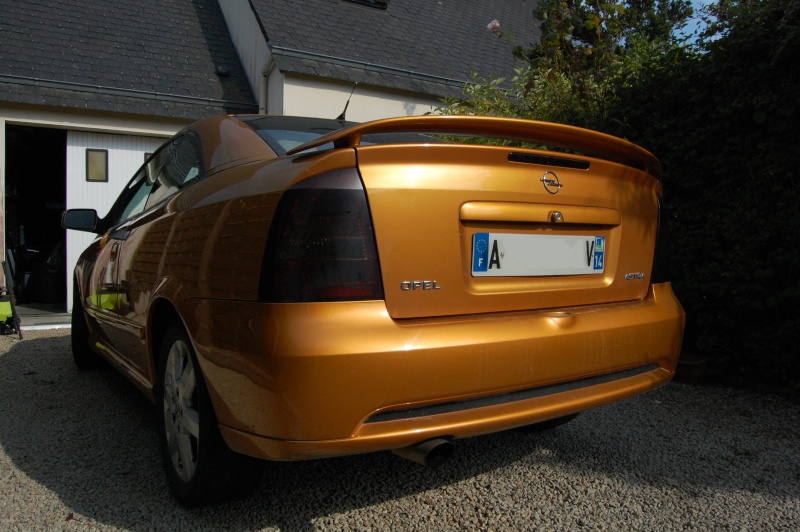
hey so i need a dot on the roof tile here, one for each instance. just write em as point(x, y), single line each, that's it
point(438, 43)
point(107, 55)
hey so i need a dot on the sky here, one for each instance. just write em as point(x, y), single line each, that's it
point(694, 23)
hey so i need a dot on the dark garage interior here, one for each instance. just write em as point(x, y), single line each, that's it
point(36, 169)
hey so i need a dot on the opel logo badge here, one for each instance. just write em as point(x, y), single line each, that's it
point(551, 183)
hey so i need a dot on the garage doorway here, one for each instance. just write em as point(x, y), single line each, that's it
point(35, 186)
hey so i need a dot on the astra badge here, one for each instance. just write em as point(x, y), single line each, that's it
point(551, 183)
point(634, 276)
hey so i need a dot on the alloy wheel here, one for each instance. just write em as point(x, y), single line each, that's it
point(181, 415)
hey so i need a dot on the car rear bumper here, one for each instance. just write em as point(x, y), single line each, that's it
point(300, 381)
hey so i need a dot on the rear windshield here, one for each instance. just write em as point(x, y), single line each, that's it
point(283, 133)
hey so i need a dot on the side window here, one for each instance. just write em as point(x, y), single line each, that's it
point(177, 165)
point(132, 200)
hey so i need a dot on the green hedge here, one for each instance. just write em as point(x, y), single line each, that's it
point(725, 125)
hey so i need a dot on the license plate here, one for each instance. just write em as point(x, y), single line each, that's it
point(516, 255)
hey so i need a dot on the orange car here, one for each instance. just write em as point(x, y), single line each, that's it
point(294, 288)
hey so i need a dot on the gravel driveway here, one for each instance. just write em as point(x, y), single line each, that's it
point(78, 451)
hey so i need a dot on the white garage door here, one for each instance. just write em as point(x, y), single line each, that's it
point(125, 154)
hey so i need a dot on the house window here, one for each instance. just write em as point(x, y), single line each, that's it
point(96, 166)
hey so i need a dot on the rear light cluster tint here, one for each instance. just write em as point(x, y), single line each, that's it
point(661, 261)
point(321, 245)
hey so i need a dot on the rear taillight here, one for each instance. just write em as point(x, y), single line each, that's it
point(321, 245)
point(661, 261)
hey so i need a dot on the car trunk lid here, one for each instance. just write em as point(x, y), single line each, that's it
point(465, 229)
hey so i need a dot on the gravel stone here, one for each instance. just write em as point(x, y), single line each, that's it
point(78, 451)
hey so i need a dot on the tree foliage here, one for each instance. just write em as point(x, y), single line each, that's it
point(721, 113)
point(586, 49)
point(724, 123)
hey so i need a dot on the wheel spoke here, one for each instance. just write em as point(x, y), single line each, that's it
point(187, 455)
point(191, 423)
point(173, 369)
point(186, 382)
point(173, 433)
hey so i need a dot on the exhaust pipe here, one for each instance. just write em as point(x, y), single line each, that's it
point(430, 453)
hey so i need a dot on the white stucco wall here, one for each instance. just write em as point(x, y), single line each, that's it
point(248, 40)
point(274, 97)
point(318, 97)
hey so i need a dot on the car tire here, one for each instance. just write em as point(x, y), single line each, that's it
point(82, 354)
point(550, 424)
point(200, 467)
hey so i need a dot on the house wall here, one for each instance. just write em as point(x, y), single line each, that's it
point(274, 97)
point(323, 98)
point(125, 155)
point(284, 93)
point(85, 121)
point(3, 192)
point(248, 39)
point(127, 140)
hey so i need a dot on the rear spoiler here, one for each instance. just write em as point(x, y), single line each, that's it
point(571, 138)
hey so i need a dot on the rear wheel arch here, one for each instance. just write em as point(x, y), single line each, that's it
point(162, 316)
point(200, 467)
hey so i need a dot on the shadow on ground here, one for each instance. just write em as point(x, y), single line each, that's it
point(90, 439)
